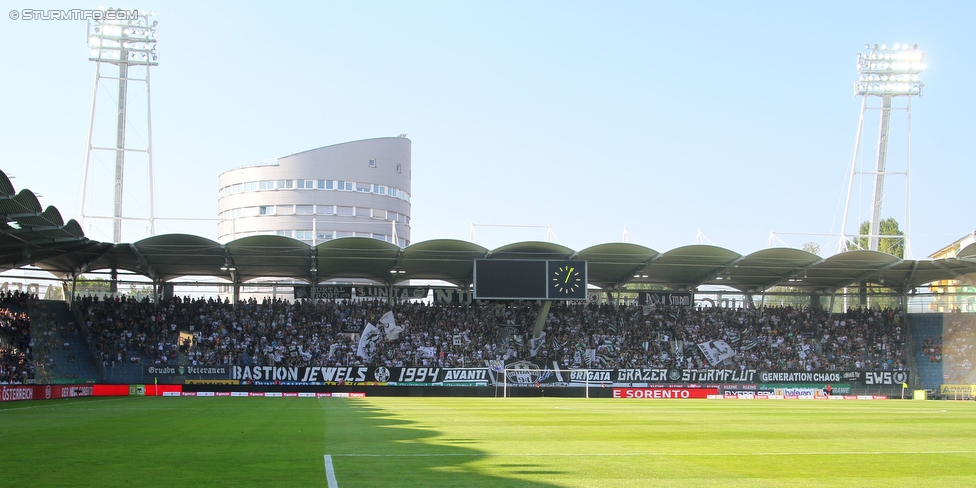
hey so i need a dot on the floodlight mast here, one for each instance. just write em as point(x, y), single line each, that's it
point(884, 73)
point(121, 38)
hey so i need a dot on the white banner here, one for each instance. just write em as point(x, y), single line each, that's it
point(716, 351)
point(390, 327)
point(368, 342)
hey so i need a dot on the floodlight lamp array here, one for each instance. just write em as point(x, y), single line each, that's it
point(890, 72)
point(132, 41)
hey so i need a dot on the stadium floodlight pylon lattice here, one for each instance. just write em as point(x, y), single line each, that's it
point(886, 74)
point(124, 39)
point(533, 377)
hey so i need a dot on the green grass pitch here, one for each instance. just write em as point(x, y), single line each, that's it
point(473, 442)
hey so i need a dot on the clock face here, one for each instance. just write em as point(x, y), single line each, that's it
point(567, 279)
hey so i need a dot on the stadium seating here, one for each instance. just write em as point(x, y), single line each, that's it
point(127, 334)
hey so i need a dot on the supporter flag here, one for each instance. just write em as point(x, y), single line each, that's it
point(590, 357)
point(427, 352)
point(389, 324)
point(368, 341)
point(716, 351)
point(536, 343)
point(496, 365)
point(508, 334)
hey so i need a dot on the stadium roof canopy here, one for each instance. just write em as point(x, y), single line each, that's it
point(31, 236)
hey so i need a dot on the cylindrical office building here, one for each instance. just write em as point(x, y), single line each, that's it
point(353, 189)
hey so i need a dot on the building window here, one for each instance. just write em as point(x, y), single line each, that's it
point(372, 162)
point(362, 187)
point(322, 185)
point(398, 167)
point(304, 209)
point(382, 237)
point(285, 233)
point(325, 235)
point(325, 209)
point(266, 185)
point(343, 233)
point(305, 235)
point(266, 210)
point(283, 184)
point(285, 209)
point(363, 212)
point(344, 211)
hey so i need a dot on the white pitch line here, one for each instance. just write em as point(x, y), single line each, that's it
point(662, 454)
point(330, 472)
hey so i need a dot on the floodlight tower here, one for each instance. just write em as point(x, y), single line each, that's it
point(885, 74)
point(122, 38)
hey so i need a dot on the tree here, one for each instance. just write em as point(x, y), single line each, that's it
point(812, 248)
point(891, 245)
point(93, 286)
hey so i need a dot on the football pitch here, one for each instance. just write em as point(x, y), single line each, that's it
point(489, 442)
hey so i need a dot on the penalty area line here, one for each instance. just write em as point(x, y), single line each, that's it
point(330, 472)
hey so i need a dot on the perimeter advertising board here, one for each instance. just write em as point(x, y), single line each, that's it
point(664, 393)
point(958, 390)
point(13, 393)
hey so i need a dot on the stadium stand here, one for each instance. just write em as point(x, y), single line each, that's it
point(16, 363)
point(927, 329)
point(127, 332)
point(959, 348)
point(40, 341)
point(59, 349)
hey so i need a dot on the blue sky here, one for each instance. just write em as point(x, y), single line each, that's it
point(665, 118)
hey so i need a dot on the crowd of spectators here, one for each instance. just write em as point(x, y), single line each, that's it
point(960, 349)
point(307, 333)
point(51, 339)
point(932, 348)
point(16, 364)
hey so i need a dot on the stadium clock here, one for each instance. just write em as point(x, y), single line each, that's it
point(567, 280)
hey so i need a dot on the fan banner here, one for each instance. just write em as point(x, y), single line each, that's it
point(716, 351)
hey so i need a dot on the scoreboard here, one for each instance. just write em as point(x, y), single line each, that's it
point(529, 279)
